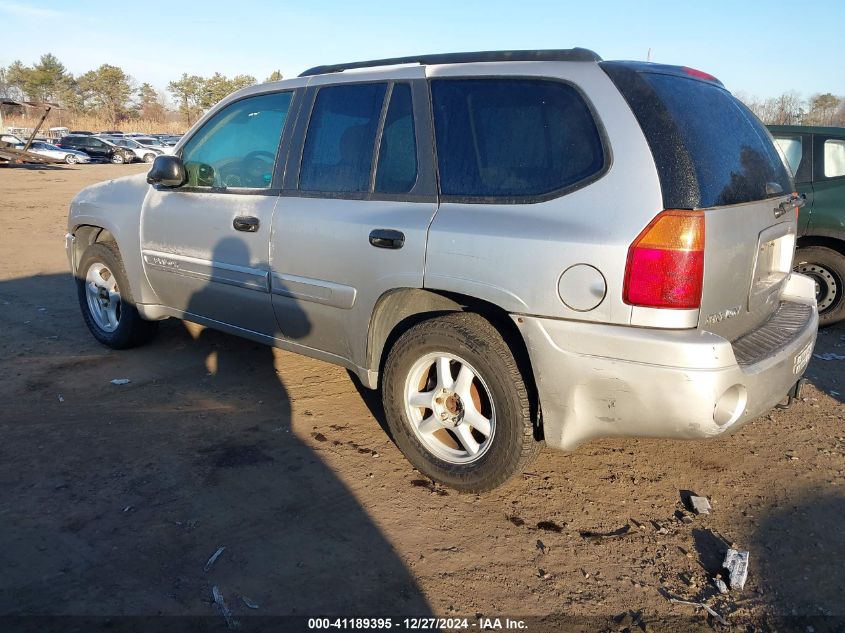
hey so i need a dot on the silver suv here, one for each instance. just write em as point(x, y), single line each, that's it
point(515, 247)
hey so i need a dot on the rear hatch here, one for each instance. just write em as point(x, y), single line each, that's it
point(714, 155)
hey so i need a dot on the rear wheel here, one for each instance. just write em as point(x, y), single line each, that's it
point(457, 404)
point(106, 302)
point(826, 267)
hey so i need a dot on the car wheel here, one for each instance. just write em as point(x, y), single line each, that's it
point(70, 159)
point(117, 159)
point(826, 267)
point(457, 403)
point(106, 301)
point(148, 158)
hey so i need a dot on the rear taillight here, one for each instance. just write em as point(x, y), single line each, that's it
point(665, 266)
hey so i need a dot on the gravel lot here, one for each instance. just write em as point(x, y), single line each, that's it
point(112, 498)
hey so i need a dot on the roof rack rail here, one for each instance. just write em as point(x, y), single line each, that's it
point(548, 55)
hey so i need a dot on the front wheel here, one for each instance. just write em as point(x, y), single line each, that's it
point(826, 267)
point(148, 158)
point(117, 159)
point(457, 404)
point(70, 159)
point(105, 299)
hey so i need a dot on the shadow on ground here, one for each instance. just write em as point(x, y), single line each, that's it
point(113, 498)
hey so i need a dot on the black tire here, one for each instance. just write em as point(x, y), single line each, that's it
point(117, 158)
point(827, 268)
point(472, 338)
point(131, 329)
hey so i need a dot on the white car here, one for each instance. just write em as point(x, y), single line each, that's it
point(154, 143)
point(70, 156)
point(142, 152)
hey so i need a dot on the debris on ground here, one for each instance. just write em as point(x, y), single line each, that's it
point(720, 585)
point(701, 605)
point(214, 558)
point(120, 381)
point(249, 603)
point(231, 622)
point(61, 398)
point(541, 546)
point(598, 536)
point(700, 505)
point(829, 356)
point(543, 574)
point(736, 563)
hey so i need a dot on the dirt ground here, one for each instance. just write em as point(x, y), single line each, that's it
point(113, 498)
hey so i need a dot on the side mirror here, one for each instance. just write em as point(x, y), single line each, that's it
point(167, 171)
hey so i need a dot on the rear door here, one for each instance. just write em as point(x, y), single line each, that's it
point(713, 154)
point(358, 199)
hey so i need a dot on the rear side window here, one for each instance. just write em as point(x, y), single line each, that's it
point(397, 156)
point(339, 146)
point(709, 149)
point(513, 139)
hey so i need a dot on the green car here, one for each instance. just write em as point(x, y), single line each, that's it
point(817, 158)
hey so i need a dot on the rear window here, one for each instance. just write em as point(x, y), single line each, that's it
point(709, 149)
point(513, 139)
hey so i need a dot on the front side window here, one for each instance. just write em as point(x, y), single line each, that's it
point(338, 153)
point(512, 138)
point(238, 146)
point(834, 158)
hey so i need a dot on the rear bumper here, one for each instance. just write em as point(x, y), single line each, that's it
point(616, 381)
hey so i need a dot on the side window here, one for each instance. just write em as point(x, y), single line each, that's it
point(792, 150)
point(397, 156)
point(339, 144)
point(512, 137)
point(238, 146)
point(834, 158)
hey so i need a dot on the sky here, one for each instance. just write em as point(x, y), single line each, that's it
point(759, 49)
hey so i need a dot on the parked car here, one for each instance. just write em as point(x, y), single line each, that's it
point(70, 156)
point(11, 140)
point(96, 148)
point(817, 158)
point(154, 143)
point(146, 154)
point(170, 140)
point(508, 245)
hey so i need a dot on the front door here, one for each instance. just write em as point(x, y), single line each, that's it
point(205, 245)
